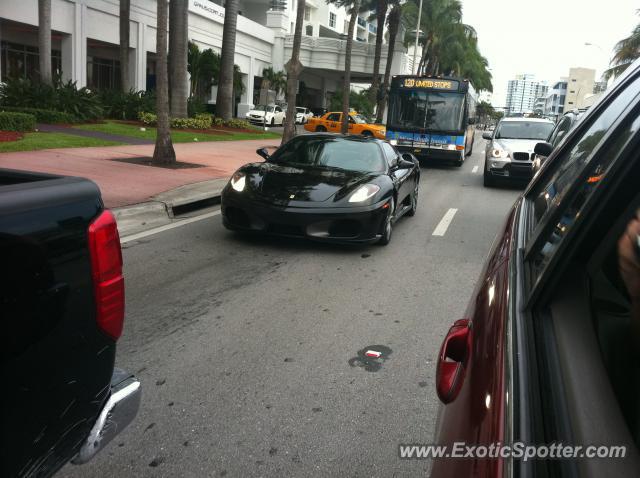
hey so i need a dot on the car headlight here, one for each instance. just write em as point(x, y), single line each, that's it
point(238, 181)
point(393, 142)
point(499, 153)
point(364, 192)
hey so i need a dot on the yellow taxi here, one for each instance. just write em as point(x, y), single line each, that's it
point(332, 121)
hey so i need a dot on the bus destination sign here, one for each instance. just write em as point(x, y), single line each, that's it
point(434, 84)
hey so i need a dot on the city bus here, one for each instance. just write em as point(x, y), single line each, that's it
point(432, 117)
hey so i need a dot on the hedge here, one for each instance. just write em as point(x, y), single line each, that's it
point(201, 121)
point(43, 116)
point(10, 121)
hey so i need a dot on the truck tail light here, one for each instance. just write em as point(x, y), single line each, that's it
point(106, 271)
point(453, 360)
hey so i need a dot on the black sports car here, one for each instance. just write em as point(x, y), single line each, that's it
point(324, 187)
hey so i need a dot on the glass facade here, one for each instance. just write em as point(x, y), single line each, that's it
point(22, 61)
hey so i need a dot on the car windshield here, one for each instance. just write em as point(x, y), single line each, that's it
point(524, 130)
point(352, 154)
point(301, 110)
point(429, 110)
point(264, 108)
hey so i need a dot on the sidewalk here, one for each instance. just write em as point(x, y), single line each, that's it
point(124, 183)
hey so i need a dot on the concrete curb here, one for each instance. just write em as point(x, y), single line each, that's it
point(162, 208)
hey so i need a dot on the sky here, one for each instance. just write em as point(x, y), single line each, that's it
point(547, 37)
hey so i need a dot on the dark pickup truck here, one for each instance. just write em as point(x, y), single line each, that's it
point(62, 311)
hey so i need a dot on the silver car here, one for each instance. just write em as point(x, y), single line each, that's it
point(509, 150)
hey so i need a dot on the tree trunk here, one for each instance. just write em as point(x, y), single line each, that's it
point(44, 40)
point(394, 25)
point(293, 68)
point(163, 152)
point(423, 57)
point(224, 100)
point(178, 51)
point(381, 15)
point(125, 10)
point(346, 85)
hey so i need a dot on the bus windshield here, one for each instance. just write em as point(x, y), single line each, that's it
point(429, 110)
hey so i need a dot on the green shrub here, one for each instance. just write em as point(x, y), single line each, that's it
point(126, 106)
point(82, 103)
point(218, 121)
point(10, 121)
point(43, 116)
point(195, 106)
point(150, 119)
point(201, 121)
point(237, 123)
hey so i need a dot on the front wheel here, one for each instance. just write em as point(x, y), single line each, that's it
point(321, 129)
point(387, 226)
point(367, 134)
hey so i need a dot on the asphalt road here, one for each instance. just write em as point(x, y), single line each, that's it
point(243, 345)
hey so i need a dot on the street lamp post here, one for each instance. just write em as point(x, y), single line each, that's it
point(415, 47)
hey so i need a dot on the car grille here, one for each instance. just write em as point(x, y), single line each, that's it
point(521, 156)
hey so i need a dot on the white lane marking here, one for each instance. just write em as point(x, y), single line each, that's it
point(443, 225)
point(475, 169)
point(167, 227)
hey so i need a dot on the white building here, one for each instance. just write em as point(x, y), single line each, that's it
point(522, 93)
point(556, 96)
point(85, 38)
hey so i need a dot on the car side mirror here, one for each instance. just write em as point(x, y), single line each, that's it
point(405, 163)
point(487, 136)
point(543, 149)
point(264, 153)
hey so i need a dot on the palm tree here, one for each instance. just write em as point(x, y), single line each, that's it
point(624, 53)
point(178, 52)
point(204, 69)
point(449, 46)
point(163, 152)
point(293, 67)
point(44, 40)
point(346, 84)
point(381, 8)
point(224, 100)
point(274, 80)
point(393, 21)
point(125, 10)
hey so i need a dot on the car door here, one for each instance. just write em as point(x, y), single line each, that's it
point(279, 115)
point(576, 311)
point(400, 177)
point(333, 122)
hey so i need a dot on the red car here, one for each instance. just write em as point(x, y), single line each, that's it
point(549, 349)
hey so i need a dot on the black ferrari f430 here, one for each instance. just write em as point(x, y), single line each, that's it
point(324, 187)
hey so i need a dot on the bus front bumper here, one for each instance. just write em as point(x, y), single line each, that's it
point(426, 153)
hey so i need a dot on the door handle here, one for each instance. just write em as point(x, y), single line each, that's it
point(453, 360)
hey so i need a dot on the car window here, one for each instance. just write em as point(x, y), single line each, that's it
point(278, 109)
point(561, 130)
point(333, 117)
point(524, 130)
point(576, 164)
point(331, 152)
point(390, 154)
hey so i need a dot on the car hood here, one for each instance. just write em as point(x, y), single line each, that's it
point(256, 113)
point(517, 145)
point(280, 184)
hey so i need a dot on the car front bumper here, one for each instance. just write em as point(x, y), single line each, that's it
point(337, 224)
point(119, 411)
point(520, 170)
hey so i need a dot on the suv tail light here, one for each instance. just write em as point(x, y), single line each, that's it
point(453, 360)
point(106, 271)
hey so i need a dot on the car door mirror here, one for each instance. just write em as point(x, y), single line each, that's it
point(487, 136)
point(264, 153)
point(543, 149)
point(404, 163)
